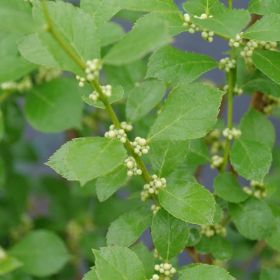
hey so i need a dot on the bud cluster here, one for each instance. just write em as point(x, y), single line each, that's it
point(227, 64)
point(92, 71)
point(116, 133)
point(23, 85)
point(237, 41)
point(140, 146)
point(251, 45)
point(237, 90)
point(47, 74)
point(192, 28)
point(107, 91)
point(214, 141)
point(231, 133)
point(165, 271)
point(153, 187)
point(155, 208)
point(132, 168)
point(211, 230)
point(256, 189)
point(271, 103)
point(216, 161)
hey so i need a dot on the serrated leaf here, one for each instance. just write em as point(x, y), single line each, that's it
point(106, 186)
point(148, 34)
point(263, 7)
point(227, 23)
point(12, 66)
point(84, 159)
point(184, 116)
point(268, 62)
point(129, 227)
point(54, 106)
point(253, 219)
point(143, 98)
point(273, 240)
point(165, 156)
point(198, 7)
point(90, 275)
point(169, 234)
point(42, 253)
point(14, 9)
point(227, 187)
point(189, 202)
point(265, 29)
point(174, 66)
point(42, 49)
point(118, 263)
point(204, 272)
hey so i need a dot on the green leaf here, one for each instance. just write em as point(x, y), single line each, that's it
point(268, 62)
point(110, 33)
point(198, 7)
point(204, 272)
point(265, 29)
point(146, 256)
point(107, 185)
point(189, 202)
point(118, 263)
point(262, 7)
point(143, 98)
point(42, 49)
point(2, 126)
point(129, 227)
point(270, 274)
point(227, 187)
point(251, 154)
point(42, 253)
point(253, 219)
point(84, 159)
point(185, 116)
point(169, 234)
point(273, 240)
point(148, 34)
point(174, 66)
point(8, 264)
point(90, 275)
point(16, 16)
point(227, 23)
point(165, 156)
point(54, 106)
point(149, 6)
point(117, 95)
point(12, 66)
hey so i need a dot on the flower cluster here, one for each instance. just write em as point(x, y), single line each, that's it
point(23, 85)
point(237, 41)
point(271, 103)
point(92, 71)
point(164, 269)
point(153, 187)
point(216, 161)
point(132, 168)
point(237, 90)
point(211, 230)
point(46, 74)
point(140, 146)
point(231, 133)
point(155, 208)
point(107, 91)
point(118, 133)
point(192, 28)
point(256, 189)
point(251, 45)
point(227, 64)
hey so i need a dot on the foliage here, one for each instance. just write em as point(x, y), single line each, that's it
point(135, 124)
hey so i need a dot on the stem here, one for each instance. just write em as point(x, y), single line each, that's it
point(231, 84)
point(95, 85)
point(230, 3)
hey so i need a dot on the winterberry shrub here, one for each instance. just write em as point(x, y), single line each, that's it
point(140, 125)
